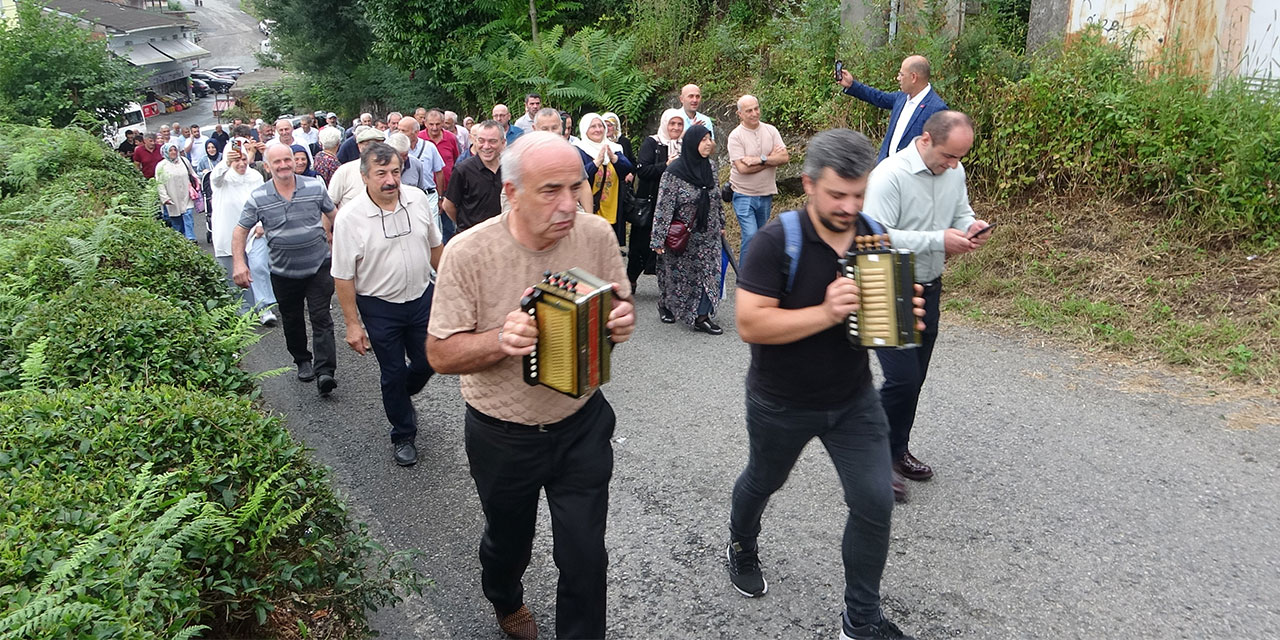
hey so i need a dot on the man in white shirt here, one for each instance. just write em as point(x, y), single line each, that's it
point(385, 250)
point(919, 194)
point(345, 184)
point(306, 134)
point(284, 136)
point(532, 103)
point(232, 184)
point(193, 145)
point(911, 107)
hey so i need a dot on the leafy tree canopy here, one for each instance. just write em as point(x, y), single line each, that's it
point(51, 68)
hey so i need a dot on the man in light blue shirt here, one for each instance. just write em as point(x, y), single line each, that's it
point(919, 194)
point(690, 100)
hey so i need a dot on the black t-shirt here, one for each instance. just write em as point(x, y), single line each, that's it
point(475, 191)
point(821, 371)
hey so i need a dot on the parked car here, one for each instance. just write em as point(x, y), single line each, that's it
point(216, 83)
point(232, 71)
point(209, 75)
point(200, 87)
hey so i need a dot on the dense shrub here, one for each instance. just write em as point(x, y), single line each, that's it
point(106, 333)
point(32, 156)
point(135, 252)
point(88, 193)
point(240, 524)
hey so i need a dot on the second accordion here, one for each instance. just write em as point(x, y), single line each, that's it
point(885, 318)
point(571, 309)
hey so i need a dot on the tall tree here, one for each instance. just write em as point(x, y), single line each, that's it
point(52, 68)
point(322, 37)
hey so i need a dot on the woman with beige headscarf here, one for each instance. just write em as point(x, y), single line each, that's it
point(607, 168)
point(655, 152)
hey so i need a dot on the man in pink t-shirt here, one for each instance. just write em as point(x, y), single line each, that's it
point(446, 143)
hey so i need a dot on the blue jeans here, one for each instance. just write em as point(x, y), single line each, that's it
point(259, 295)
point(753, 213)
point(398, 330)
point(856, 437)
point(182, 224)
point(904, 374)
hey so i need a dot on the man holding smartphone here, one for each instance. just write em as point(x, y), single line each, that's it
point(920, 195)
point(910, 107)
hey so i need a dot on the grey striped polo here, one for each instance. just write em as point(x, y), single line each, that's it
point(295, 235)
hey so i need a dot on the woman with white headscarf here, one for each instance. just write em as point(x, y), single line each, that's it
point(607, 168)
point(174, 177)
point(655, 152)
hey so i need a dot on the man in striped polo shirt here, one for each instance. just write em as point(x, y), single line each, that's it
point(295, 211)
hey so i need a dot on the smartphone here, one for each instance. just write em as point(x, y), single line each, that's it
point(839, 69)
point(983, 230)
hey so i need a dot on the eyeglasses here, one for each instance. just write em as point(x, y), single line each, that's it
point(407, 218)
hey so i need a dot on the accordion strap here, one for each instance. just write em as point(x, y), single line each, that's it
point(793, 239)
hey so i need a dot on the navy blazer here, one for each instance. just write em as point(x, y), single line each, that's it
point(896, 101)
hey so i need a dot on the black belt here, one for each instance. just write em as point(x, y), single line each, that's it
point(932, 284)
point(432, 190)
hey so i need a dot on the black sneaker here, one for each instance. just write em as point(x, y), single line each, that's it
point(306, 373)
point(883, 630)
point(665, 315)
point(744, 570)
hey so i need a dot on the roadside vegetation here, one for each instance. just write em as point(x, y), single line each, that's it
point(147, 495)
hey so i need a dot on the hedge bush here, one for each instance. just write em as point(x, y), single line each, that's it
point(135, 252)
point(145, 495)
point(106, 333)
point(260, 528)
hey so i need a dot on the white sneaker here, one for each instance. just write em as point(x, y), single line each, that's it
point(268, 319)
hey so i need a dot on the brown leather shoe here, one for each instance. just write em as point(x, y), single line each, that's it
point(519, 625)
point(899, 488)
point(912, 469)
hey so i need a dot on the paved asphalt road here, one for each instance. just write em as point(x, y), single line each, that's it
point(231, 37)
point(1070, 500)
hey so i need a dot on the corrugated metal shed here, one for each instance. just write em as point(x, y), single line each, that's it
point(1217, 37)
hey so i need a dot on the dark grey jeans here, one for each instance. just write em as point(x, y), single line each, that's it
point(856, 437)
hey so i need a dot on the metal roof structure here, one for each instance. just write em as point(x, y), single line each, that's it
point(114, 17)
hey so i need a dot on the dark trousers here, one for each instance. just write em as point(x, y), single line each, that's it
point(398, 331)
point(573, 461)
point(904, 374)
point(315, 292)
point(640, 258)
point(856, 437)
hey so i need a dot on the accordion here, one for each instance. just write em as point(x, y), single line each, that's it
point(573, 349)
point(885, 318)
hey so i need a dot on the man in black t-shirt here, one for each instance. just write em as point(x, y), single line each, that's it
point(475, 188)
point(807, 381)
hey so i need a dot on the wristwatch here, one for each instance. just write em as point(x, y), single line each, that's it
point(763, 158)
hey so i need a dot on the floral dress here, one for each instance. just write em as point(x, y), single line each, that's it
point(326, 163)
point(684, 279)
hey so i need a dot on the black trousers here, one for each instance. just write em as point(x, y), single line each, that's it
point(904, 373)
point(640, 258)
point(398, 331)
point(572, 461)
point(314, 293)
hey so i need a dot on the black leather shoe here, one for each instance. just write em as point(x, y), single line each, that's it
point(706, 325)
point(305, 372)
point(406, 454)
point(912, 469)
point(665, 315)
point(899, 488)
point(326, 384)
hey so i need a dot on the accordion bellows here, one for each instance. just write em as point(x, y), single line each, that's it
point(885, 318)
point(571, 309)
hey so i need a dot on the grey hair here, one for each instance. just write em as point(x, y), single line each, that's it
point(491, 124)
point(284, 120)
point(398, 141)
point(394, 113)
point(450, 114)
point(844, 151)
point(149, 136)
point(330, 137)
point(547, 112)
point(940, 125)
point(513, 157)
point(378, 153)
point(436, 111)
point(414, 123)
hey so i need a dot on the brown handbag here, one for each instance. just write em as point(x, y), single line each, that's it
point(677, 237)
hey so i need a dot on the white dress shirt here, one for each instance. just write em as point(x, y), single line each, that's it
point(904, 118)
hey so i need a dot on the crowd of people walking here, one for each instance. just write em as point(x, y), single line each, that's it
point(429, 229)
